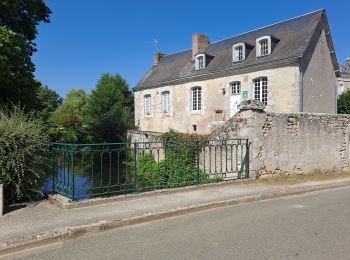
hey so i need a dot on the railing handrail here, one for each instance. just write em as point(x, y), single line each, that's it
point(148, 142)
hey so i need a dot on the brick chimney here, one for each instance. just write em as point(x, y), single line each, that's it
point(157, 57)
point(347, 64)
point(199, 43)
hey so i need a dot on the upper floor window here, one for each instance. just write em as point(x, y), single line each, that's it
point(238, 52)
point(165, 102)
point(260, 89)
point(263, 46)
point(148, 104)
point(200, 62)
point(235, 88)
point(196, 98)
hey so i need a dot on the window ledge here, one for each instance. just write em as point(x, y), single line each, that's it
point(263, 56)
point(238, 62)
point(195, 112)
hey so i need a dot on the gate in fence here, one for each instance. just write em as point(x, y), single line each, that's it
point(92, 170)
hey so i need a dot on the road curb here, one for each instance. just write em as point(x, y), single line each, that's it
point(65, 203)
point(67, 233)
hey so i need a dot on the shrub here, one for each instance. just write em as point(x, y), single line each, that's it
point(344, 103)
point(24, 154)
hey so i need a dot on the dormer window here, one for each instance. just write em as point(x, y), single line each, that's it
point(200, 61)
point(263, 46)
point(238, 52)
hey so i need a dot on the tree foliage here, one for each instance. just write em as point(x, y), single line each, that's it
point(23, 16)
point(48, 102)
point(67, 120)
point(109, 109)
point(24, 154)
point(18, 29)
point(343, 105)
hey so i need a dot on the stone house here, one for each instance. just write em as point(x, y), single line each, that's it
point(343, 77)
point(290, 66)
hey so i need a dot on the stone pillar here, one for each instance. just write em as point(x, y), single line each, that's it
point(2, 199)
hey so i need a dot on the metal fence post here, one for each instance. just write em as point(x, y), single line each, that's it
point(247, 159)
point(53, 168)
point(2, 199)
point(135, 168)
point(73, 173)
point(197, 148)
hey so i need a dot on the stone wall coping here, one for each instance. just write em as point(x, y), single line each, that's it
point(308, 114)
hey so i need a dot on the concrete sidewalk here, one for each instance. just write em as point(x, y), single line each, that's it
point(38, 223)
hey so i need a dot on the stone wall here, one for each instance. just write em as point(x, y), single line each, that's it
point(143, 136)
point(291, 143)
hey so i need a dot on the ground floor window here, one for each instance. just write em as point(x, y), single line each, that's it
point(235, 88)
point(260, 89)
point(147, 104)
point(165, 102)
point(196, 96)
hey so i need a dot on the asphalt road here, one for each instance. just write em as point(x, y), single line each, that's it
point(312, 226)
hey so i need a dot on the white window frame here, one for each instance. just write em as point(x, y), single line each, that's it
point(260, 86)
point(198, 65)
point(147, 104)
point(259, 46)
point(235, 53)
point(196, 99)
point(165, 102)
point(235, 88)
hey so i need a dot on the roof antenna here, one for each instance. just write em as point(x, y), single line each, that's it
point(155, 44)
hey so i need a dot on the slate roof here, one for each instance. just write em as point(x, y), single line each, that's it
point(294, 36)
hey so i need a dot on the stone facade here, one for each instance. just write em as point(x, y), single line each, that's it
point(143, 136)
point(283, 96)
point(291, 143)
point(343, 79)
point(318, 80)
point(298, 64)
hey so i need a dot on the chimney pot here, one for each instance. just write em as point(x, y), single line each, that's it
point(199, 43)
point(157, 57)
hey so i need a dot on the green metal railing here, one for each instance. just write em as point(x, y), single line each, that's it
point(92, 170)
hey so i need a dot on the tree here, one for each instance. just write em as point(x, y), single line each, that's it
point(109, 109)
point(18, 29)
point(48, 102)
point(67, 120)
point(343, 105)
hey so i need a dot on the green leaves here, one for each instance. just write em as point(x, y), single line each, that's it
point(109, 109)
point(101, 116)
point(67, 120)
point(344, 103)
point(24, 154)
point(18, 29)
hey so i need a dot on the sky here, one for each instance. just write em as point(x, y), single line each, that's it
point(86, 38)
